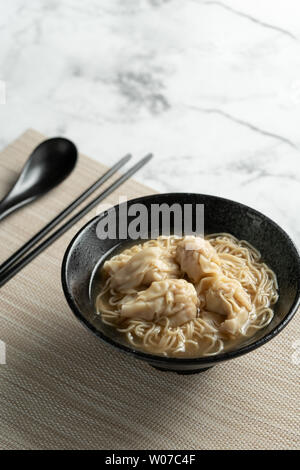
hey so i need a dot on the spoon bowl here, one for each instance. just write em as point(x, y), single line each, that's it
point(47, 166)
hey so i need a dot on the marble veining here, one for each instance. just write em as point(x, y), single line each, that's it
point(212, 88)
point(251, 18)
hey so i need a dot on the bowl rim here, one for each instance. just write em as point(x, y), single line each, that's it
point(155, 358)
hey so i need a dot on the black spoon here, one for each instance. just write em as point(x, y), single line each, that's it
point(48, 165)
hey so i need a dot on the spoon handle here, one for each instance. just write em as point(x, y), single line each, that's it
point(9, 205)
point(5, 208)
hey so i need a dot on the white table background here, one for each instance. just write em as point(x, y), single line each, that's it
point(212, 88)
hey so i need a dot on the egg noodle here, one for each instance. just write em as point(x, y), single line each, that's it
point(203, 335)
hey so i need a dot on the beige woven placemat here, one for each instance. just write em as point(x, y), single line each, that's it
point(62, 388)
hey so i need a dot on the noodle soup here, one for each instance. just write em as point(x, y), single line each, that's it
point(187, 297)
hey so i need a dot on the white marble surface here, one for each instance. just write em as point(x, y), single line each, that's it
point(212, 88)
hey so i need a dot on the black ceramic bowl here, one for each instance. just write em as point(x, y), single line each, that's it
point(86, 252)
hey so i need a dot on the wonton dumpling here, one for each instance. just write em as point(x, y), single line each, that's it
point(197, 258)
point(113, 265)
point(227, 297)
point(234, 326)
point(148, 265)
point(173, 298)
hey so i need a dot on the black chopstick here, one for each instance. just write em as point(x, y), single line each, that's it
point(61, 230)
point(54, 222)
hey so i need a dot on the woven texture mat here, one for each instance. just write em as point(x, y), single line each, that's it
point(61, 388)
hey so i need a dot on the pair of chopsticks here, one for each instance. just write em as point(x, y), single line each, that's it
point(23, 256)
